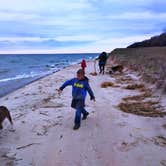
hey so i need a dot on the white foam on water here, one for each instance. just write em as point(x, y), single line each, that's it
point(24, 76)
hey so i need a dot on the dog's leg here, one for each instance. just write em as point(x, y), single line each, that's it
point(10, 118)
point(1, 127)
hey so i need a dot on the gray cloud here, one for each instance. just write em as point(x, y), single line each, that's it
point(78, 22)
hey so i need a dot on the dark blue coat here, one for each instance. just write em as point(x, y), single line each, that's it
point(79, 88)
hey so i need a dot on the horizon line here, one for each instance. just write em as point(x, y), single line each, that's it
point(52, 51)
point(49, 53)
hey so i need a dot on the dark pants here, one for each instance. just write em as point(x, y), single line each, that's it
point(78, 105)
point(83, 68)
point(102, 68)
point(78, 115)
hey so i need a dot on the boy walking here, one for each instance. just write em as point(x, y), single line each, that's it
point(80, 87)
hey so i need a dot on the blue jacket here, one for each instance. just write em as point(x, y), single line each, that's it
point(79, 88)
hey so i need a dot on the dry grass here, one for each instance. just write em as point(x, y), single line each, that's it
point(93, 74)
point(146, 109)
point(108, 84)
point(138, 106)
point(138, 97)
point(146, 93)
point(124, 80)
point(164, 126)
point(135, 86)
point(149, 62)
point(160, 141)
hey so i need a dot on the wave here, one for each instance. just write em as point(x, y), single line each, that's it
point(24, 76)
point(59, 65)
point(51, 69)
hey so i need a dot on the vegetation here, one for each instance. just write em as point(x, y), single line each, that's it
point(149, 62)
point(156, 41)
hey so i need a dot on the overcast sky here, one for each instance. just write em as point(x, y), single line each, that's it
point(78, 25)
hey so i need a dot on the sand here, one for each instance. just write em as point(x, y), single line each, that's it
point(43, 121)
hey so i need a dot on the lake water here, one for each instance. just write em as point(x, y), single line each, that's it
point(18, 70)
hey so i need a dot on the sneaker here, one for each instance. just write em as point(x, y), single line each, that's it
point(85, 116)
point(76, 127)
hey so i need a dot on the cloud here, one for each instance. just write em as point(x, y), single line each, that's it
point(146, 15)
point(78, 38)
point(75, 24)
point(22, 39)
point(48, 6)
point(39, 43)
point(8, 16)
point(55, 46)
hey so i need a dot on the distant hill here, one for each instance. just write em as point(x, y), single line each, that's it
point(156, 41)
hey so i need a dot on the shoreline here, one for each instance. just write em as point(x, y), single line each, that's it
point(38, 79)
point(21, 75)
point(29, 82)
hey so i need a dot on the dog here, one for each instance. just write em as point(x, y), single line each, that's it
point(4, 113)
point(114, 69)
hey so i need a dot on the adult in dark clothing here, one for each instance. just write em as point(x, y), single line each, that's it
point(102, 61)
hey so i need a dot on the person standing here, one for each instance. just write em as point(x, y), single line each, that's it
point(102, 62)
point(83, 65)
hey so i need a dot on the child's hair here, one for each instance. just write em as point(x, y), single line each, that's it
point(81, 72)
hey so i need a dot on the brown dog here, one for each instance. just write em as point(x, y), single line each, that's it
point(118, 68)
point(4, 113)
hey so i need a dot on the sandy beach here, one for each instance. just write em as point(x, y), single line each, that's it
point(42, 134)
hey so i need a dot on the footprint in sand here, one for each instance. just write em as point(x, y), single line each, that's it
point(124, 146)
point(59, 117)
point(33, 94)
point(7, 159)
point(18, 116)
point(34, 108)
point(160, 141)
point(43, 113)
point(46, 100)
point(125, 115)
point(164, 126)
point(39, 87)
point(122, 124)
point(42, 130)
point(163, 162)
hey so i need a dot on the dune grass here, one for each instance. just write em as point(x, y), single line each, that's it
point(107, 84)
point(146, 109)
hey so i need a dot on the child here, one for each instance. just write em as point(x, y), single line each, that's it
point(80, 86)
point(83, 65)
